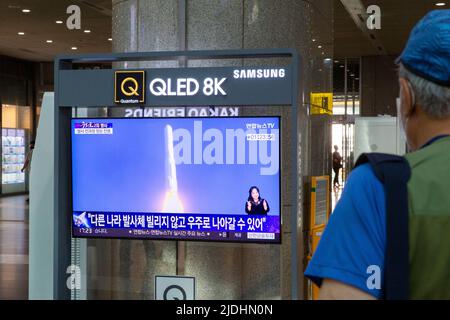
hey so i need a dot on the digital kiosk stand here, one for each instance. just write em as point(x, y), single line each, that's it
point(161, 87)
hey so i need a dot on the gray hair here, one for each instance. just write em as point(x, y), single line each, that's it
point(432, 98)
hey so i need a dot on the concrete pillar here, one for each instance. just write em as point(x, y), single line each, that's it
point(223, 271)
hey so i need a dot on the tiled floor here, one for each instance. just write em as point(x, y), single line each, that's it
point(13, 247)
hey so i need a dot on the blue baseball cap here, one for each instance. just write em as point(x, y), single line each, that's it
point(427, 53)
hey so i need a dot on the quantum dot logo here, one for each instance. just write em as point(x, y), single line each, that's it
point(129, 86)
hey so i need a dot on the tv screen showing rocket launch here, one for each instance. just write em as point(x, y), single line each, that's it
point(212, 179)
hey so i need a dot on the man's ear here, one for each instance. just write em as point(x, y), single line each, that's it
point(406, 97)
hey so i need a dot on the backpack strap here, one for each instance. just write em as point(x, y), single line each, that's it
point(394, 172)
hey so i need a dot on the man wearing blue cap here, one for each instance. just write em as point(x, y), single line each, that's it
point(352, 251)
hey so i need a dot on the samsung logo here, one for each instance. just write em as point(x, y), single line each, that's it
point(259, 73)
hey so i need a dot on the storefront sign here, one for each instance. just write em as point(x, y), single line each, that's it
point(181, 112)
point(177, 86)
point(322, 103)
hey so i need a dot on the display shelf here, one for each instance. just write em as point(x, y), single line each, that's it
point(13, 156)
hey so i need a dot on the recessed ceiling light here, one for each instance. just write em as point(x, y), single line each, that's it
point(341, 66)
point(440, 4)
point(336, 61)
point(323, 52)
point(74, 48)
point(320, 47)
point(21, 33)
point(59, 22)
point(109, 39)
point(313, 40)
point(26, 10)
point(87, 31)
point(49, 41)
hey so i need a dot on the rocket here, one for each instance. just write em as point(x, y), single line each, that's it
point(170, 168)
point(172, 203)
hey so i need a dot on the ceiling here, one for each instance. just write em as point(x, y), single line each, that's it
point(397, 19)
point(40, 25)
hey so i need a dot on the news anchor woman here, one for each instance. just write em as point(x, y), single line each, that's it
point(255, 204)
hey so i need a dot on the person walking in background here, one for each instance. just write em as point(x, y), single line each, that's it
point(27, 163)
point(337, 165)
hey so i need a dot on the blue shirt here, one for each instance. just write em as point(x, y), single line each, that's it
point(355, 238)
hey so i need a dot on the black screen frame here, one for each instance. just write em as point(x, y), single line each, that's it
point(246, 241)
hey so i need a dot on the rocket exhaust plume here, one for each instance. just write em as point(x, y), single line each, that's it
point(172, 203)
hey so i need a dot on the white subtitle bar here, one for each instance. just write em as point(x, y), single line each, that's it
point(94, 131)
point(261, 235)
